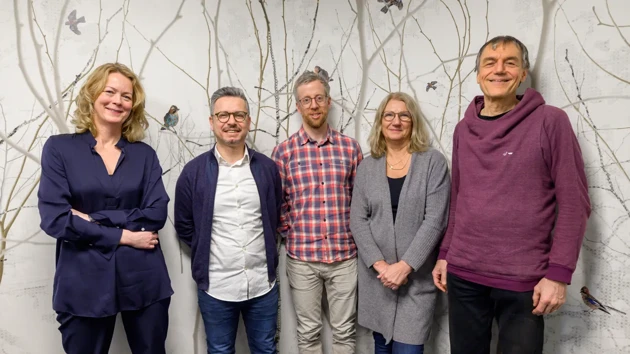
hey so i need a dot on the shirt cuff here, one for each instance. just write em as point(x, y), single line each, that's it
point(559, 273)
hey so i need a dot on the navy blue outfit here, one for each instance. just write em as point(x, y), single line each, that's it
point(95, 277)
point(194, 206)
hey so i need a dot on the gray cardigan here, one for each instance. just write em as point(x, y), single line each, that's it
point(404, 315)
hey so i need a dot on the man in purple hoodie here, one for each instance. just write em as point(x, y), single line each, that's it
point(519, 207)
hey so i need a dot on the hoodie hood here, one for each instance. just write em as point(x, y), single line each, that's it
point(497, 129)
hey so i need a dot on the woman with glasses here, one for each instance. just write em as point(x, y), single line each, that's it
point(398, 216)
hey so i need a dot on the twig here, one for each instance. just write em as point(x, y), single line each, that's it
point(52, 113)
point(19, 148)
point(606, 24)
point(367, 62)
point(154, 43)
point(56, 60)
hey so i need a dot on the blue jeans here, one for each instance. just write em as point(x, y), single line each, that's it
point(221, 318)
point(394, 347)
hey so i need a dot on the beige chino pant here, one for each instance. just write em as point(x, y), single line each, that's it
point(307, 281)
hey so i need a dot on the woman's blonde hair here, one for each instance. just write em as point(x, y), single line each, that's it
point(419, 140)
point(134, 126)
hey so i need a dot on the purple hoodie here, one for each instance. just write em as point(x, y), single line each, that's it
point(509, 176)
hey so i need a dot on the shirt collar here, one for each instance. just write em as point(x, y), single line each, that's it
point(89, 138)
point(243, 161)
point(331, 137)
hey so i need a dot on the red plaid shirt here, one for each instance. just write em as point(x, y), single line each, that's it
point(317, 180)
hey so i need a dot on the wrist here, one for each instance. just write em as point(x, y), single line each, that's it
point(408, 269)
point(124, 237)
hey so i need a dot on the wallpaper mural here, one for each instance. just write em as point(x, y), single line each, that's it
point(184, 50)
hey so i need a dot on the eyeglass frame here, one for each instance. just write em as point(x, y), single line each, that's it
point(313, 99)
point(398, 114)
point(231, 114)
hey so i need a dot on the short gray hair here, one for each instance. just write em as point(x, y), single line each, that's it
point(306, 78)
point(227, 91)
point(504, 40)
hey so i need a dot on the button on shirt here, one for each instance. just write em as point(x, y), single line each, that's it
point(238, 264)
point(317, 179)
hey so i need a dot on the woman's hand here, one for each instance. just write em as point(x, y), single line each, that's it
point(83, 216)
point(380, 266)
point(141, 239)
point(395, 275)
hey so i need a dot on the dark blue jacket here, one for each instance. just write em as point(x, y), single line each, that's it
point(95, 276)
point(194, 206)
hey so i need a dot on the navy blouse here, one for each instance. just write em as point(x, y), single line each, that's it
point(95, 276)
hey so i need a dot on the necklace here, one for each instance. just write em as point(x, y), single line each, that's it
point(391, 166)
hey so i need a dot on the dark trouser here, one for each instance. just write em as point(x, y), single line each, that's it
point(471, 309)
point(145, 328)
point(394, 347)
point(220, 319)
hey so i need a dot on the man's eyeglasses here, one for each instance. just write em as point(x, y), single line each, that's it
point(306, 101)
point(404, 116)
point(223, 117)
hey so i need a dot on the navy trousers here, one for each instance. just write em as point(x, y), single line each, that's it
point(145, 328)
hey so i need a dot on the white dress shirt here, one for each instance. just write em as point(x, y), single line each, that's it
point(238, 262)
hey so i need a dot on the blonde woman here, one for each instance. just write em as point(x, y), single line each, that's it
point(398, 216)
point(101, 196)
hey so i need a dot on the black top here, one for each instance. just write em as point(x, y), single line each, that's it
point(395, 186)
point(492, 117)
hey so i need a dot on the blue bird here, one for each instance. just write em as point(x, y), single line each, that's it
point(171, 118)
point(594, 304)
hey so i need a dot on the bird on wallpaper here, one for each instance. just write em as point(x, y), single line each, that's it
point(431, 85)
point(171, 118)
point(323, 73)
point(594, 304)
point(390, 3)
point(73, 22)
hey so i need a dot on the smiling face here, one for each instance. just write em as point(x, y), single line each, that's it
point(231, 132)
point(314, 115)
point(500, 71)
point(113, 105)
point(396, 130)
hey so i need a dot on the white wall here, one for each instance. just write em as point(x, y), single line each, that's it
point(581, 63)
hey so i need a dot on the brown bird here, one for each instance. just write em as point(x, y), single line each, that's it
point(323, 73)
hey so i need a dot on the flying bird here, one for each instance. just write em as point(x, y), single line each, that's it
point(431, 85)
point(594, 304)
point(390, 3)
point(171, 118)
point(323, 73)
point(73, 22)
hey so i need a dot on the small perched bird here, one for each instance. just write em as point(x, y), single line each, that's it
point(594, 304)
point(323, 73)
point(431, 85)
point(390, 3)
point(73, 22)
point(171, 118)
